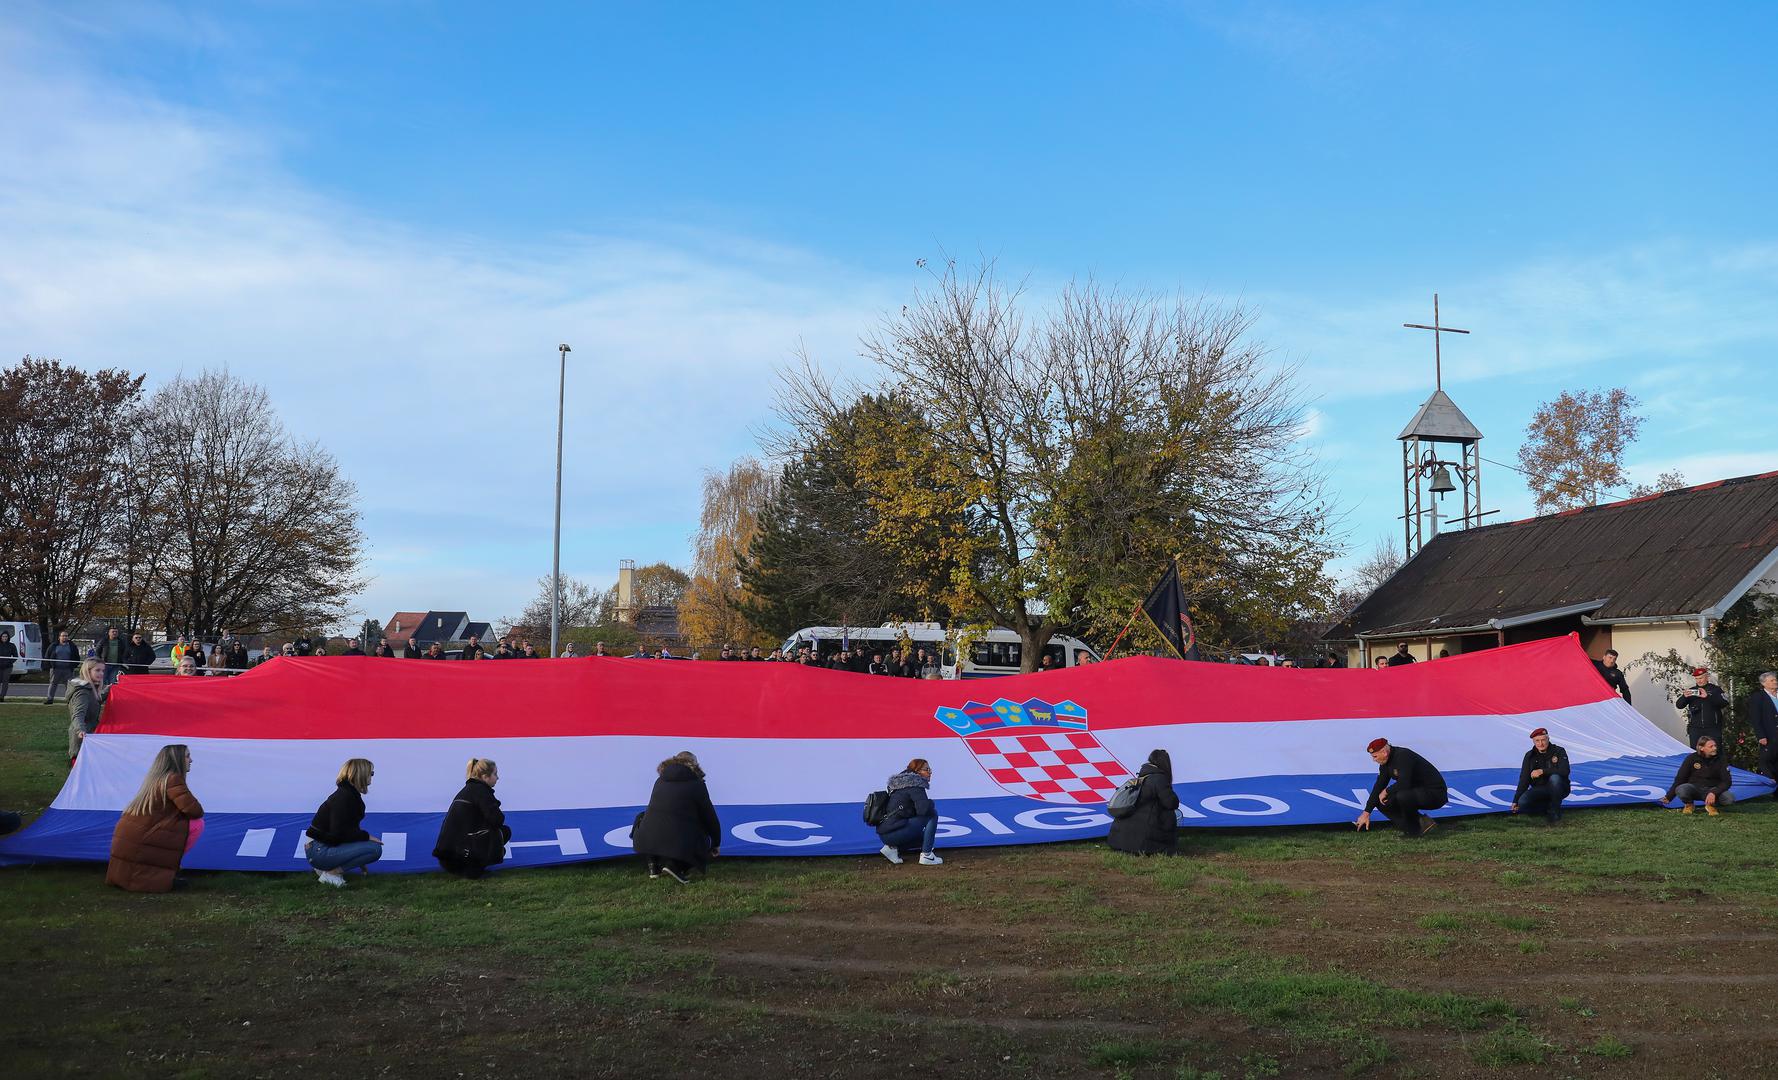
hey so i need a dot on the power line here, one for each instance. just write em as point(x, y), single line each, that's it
point(1569, 487)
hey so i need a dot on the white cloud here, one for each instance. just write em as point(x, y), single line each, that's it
point(1614, 317)
point(1701, 468)
point(145, 236)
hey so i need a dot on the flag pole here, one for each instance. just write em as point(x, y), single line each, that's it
point(1131, 621)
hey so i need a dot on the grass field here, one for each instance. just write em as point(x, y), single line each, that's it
point(1629, 942)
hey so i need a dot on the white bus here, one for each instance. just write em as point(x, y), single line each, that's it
point(998, 652)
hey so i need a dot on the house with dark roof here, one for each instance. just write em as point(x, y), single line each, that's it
point(442, 627)
point(1645, 575)
point(420, 629)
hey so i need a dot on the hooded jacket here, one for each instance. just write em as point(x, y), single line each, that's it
point(907, 799)
point(1153, 826)
point(85, 704)
point(680, 822)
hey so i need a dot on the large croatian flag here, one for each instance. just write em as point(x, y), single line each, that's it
point(791, 752)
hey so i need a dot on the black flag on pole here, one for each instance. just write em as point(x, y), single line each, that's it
point(1165, 608)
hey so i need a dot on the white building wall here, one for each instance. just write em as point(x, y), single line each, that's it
point(1653, 699)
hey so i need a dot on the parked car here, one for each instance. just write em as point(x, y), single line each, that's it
point(163, 656)
point(30, 644)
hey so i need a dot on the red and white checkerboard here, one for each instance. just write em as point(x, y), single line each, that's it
point(1055, 766)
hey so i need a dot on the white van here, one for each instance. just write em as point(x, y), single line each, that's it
point(30, 645)
point(996, 653)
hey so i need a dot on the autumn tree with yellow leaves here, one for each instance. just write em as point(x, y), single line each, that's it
point(1049, 461)
point(717, 601)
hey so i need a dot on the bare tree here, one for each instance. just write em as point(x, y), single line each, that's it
point(1382, 563)
point(62, 436)
point(261, 533)
point(146, 528)
point(580, 607)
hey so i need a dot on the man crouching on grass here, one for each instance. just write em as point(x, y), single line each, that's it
point(1704, 776)
point(1407, 786)
point(1543, 778)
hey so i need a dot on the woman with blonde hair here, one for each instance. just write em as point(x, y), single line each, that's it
point(474, 834)
point(86, 700)
point(337, 840)
point(157, 828)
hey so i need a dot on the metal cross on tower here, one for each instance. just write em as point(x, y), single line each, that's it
point(1438, 424)
point(1438, 364)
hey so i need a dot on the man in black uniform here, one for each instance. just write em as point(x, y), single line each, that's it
point(1702, 705)
point(1613, 675)
point(1543, 778)
point(1401, 655)
point(1407, 786)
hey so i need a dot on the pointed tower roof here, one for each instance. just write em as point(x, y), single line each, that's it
point(1440, 418)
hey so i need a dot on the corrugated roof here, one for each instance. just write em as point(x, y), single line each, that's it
point(1677, 553)
point(1440, 418)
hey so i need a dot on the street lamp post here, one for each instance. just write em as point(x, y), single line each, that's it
point(555, 566)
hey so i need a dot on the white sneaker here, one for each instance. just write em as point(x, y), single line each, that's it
point(891, 854)
point(927, 858)
point(331, 877)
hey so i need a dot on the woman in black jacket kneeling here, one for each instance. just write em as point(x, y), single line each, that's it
point(474, 834)
point(679, 830)
point(1152, 826)
point(911, 817)
point(337, 841)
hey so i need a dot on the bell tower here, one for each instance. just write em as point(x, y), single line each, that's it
point(1440, 453)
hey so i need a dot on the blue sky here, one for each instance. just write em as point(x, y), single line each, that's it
point(389, 214)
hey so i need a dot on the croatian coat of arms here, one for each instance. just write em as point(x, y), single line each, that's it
point(1037, 749)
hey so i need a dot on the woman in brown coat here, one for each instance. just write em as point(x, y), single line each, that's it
point(159, 826)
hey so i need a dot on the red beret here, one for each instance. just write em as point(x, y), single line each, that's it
point(1700, 671)
point(1540, 731)
point(1376, 745)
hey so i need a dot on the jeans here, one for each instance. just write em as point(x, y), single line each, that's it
point(112, 671)
point(343, 856)
point(1405, 806)
point(1545, 797)
point(911, 829)
point(59, 674)
point(1691, 793)
point(5, 681)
